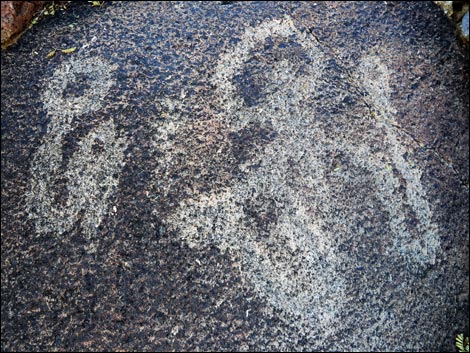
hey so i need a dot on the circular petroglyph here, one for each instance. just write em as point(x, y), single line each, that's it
point(76, 88)
point(312, 187)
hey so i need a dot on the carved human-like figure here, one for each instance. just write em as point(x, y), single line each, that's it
point(324, 182)
point(76, 88)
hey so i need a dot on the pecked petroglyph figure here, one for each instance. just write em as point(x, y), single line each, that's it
point(313, 187)
point(90, 175)
point(320, 182)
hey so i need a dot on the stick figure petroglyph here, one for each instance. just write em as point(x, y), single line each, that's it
point(91, 175)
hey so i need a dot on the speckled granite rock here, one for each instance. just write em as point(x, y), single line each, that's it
point(16, 16)
point(233, 177)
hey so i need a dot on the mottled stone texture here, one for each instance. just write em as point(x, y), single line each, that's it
point(236, 176)
point(16, 16)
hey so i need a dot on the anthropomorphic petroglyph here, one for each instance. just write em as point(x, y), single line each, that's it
point(318, 184)
point(312, 189)
point(76, 88)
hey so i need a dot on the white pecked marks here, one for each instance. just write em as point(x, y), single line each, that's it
point(375, 78)
point(63, 103)
point(287, 258)
point(284, 221)
point(93, 171)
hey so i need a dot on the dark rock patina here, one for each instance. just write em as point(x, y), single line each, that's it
point(236, 176)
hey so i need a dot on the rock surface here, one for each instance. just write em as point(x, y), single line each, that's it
point(16, 16)
point(236, 176)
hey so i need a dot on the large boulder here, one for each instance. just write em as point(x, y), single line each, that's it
point(237, 176)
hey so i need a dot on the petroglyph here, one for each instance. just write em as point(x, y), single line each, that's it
point(312, 188)
point(76, 88)
point(307, 191)
point(375, 78)
point(304, 285)
point(92, 175)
